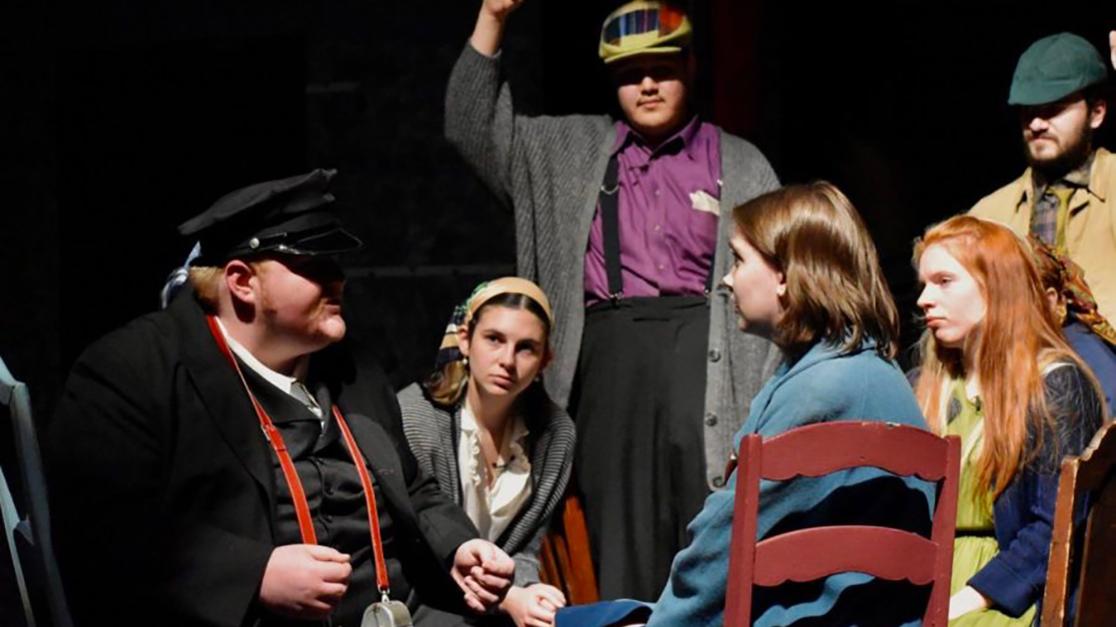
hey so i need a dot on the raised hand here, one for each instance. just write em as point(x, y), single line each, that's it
point(489, 31)
point(1112, 46)
point(500, 9)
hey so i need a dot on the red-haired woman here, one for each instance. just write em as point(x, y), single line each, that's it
point(997, 371)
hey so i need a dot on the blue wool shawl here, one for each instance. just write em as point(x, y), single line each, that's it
point(824, 384)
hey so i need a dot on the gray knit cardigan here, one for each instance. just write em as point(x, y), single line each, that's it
point(549, 169)
point(432, 432)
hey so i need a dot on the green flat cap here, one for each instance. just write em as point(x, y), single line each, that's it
point(1055, 67)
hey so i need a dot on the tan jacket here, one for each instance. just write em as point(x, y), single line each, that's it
point(1090, 230)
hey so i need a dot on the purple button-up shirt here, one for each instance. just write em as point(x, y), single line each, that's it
point(667, 212)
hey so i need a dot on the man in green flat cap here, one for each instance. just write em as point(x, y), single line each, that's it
point(1067, 197)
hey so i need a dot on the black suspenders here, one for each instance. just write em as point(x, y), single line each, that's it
point(609, 201)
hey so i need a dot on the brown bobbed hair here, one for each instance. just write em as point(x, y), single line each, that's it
point(835, 288)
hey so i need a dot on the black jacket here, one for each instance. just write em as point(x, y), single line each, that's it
point(162, 489)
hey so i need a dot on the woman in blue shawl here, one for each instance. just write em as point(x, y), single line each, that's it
point(806, 276)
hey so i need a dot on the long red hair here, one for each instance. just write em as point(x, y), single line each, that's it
point(1008, 349)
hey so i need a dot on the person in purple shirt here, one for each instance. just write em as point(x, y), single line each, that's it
point(621, 222)
point(667, 237)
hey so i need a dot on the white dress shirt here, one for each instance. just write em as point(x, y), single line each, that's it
point(289, 385)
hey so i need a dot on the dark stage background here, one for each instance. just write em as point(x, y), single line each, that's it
point(121, 119)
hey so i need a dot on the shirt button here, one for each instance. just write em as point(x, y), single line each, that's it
point(657, 227)
point(657, 192)
point(661, 266)
point(718, 482)
point(714, 355)
point(711, 420)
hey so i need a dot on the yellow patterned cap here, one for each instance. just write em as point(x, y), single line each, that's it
point(644, 27)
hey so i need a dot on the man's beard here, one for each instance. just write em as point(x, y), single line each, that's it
point(1072, 156)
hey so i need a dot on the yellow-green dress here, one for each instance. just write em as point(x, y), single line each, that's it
point(975, 545)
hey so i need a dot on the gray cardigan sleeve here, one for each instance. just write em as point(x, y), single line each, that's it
point(554, 453)
point(527, 560)
point(480, 119)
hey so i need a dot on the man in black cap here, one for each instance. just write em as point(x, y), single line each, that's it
point(226, 462)
point(1066, 196)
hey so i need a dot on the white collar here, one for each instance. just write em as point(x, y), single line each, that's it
point(513, 450)
point(278, 379)
point(519, 430)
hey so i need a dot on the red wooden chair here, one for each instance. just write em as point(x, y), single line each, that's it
point(1093, 474)
point(810, 554)
point(564, 558)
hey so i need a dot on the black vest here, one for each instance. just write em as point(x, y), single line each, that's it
point(333, 491)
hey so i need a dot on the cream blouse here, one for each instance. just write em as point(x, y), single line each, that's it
point(492, 508)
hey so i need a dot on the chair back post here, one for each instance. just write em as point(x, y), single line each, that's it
point(1096, 603)
point(1089, 478)
point(745, 508)
point(9, 515)
point(942, 534)
point(33, 480)
point(1057, 569)
point(564, 558)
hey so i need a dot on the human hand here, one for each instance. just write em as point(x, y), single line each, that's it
point(1112, 46)
point(304, 581)
point(483, 572)
point(533, 606)
point(966, 600)
point(500, 9)
point(488, 34)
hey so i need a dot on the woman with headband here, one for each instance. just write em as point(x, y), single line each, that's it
point(484, 427)
point(1075, 309)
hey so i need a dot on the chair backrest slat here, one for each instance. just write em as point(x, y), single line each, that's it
point(809, 554)
point(814, 553)
point(823, 448)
